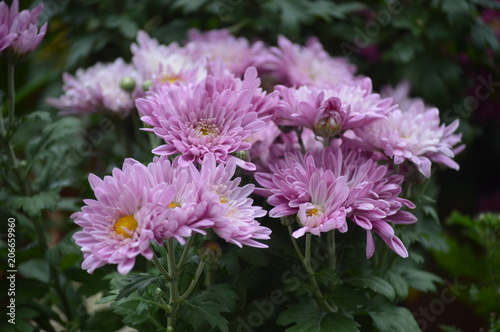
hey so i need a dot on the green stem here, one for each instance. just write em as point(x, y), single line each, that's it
point(174, 283)
point(3, 132)
point(185, 252)
point(12, 92)
point(155, 322)
point(301, 142)
point(193, 283)
point(307, 263)
point(40, 233)
point(331, 250)
point(160, 267)
point(295, 244)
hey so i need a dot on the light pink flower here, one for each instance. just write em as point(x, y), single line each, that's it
point(236, 223)
point(166, 64)
point(310, 65)
point(371, 201)
point(19, 31)
point(123, 219)
point(237, 53)
point(214, 116)
point(325, 211)
point(98, 89)
point(328, 111)
point(414, 135)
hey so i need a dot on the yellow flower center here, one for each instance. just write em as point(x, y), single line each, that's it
point(126, 226)
point(223, 199)
point(174, 204)
point(312, 212)
point(168, 79)
point(205, 128)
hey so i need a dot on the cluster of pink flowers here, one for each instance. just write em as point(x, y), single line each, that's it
point(139, 204)
point(19, 32)
point(326, 147)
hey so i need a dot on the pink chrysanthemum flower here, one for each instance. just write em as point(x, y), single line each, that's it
point(332, 110)
point(324, 211)
point(370, 202)
point(237, 53)
point(19, 31)
point(188, 212)
point(98, 89)
point(414, 135)
point(236, 223)
point(214, 116)
point(310, 65)
point(166, 64)
point(125, 217)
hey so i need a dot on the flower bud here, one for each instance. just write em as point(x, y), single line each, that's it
point(209, 251)
point(286, 221)
point(146, 85)
point(127, 84)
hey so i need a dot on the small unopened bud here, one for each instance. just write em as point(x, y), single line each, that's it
point(127, 84)
point(209, 251)
point(146, 85)
point(286, 221)
point(242, 154)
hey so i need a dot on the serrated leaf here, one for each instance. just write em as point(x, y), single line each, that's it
point(374, 283)
point(38, 116)
point(202, 309)
point(106, 299)
point(307, 318)
point(32, 205)
point(328, 277)
point(389, 318)
point(137, 282)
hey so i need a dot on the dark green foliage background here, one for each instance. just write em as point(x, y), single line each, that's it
point(442, 47)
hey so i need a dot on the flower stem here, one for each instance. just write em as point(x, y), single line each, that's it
point(331, 250)
point(185, 251)
point(174, 286)
point(301, 142)
point(160, 267)
point(194, 281)
point(12, 92)
point(307, 263)
point(295, 244)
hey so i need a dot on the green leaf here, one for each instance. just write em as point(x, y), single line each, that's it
point(397, 282)
point(328, 277)
point(189, 6)
point(459, 12)
point(202, 309)
point(307, 318)
point(374, 283)
point(35, 268)
point(448, 328)
point(137, 282)
point(292, 12)
point(421, 280)
point(389, 318)
point(328, 9)
point(38, 116)
point(33, 205)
